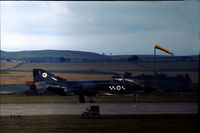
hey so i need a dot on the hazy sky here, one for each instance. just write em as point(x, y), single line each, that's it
point(109, 27)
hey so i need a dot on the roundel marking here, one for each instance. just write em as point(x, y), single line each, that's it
point(44, 75)
point(118, 88)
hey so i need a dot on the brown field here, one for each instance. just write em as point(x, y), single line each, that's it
point(22, 77)
point(7, 65)
point(17, 76)
point(100, 66)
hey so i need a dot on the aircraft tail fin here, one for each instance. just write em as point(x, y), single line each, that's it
point(43, 79)
point(40, 75)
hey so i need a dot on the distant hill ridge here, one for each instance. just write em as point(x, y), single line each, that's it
point(49, 53)
point(82, 56)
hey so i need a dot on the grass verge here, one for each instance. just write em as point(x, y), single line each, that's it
point(101, 99)
point(108, 124)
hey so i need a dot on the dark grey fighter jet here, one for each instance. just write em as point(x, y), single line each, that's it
point(46, 81)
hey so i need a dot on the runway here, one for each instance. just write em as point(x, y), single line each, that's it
point(105, 108)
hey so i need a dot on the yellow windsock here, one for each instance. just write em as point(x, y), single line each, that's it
point(163, 49)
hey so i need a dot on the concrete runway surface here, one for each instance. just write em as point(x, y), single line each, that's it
point(105, 108)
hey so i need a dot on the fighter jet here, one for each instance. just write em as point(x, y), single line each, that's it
point(46, 81)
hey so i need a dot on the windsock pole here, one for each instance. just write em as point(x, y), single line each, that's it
point(155, 68)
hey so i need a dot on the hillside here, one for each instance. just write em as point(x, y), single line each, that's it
point(81, 56)
point(52, 56)
point(50, 53)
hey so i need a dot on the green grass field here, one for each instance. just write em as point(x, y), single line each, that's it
point(99, 66)
point(100, 99)
point(108, 124)
point(112, 66)
point(171, 66)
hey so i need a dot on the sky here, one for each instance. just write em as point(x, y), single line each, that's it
point(130, 27)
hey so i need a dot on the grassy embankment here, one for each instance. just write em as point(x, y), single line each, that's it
point(8, 65)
